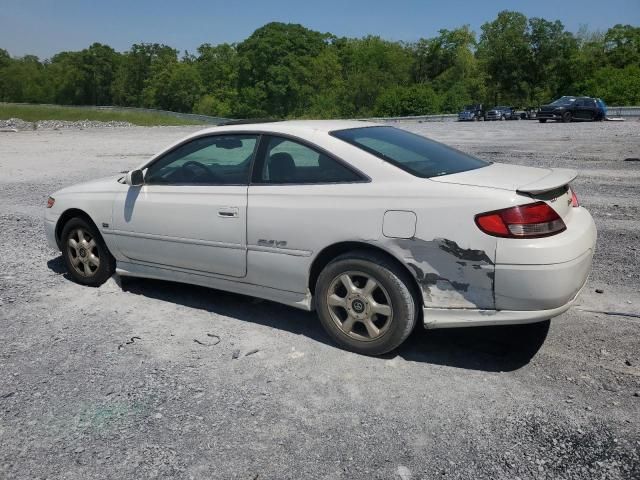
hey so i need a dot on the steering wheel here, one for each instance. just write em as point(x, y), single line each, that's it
point(191, 173)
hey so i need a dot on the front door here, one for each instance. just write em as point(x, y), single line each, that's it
point(191, 212)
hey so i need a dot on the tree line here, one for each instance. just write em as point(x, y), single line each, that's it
point(287, 70)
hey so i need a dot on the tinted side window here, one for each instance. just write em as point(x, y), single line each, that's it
point(287, 161)
point(214, 160)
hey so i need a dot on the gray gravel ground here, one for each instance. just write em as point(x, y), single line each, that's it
point(129, 382)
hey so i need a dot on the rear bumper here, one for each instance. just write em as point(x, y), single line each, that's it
point(457, 318)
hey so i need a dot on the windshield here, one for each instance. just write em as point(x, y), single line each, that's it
point(416, 154)
point(469, 108)
point(563, 101)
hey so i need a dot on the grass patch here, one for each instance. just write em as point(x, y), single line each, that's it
point(33, 113)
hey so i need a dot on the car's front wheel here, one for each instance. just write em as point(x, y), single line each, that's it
point(566, 117)
point(365, 303)
point(85, 254)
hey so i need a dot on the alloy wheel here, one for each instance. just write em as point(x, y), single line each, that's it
point(359, 306)
point(83, 252)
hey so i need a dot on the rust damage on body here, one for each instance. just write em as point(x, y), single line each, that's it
point(449, 276)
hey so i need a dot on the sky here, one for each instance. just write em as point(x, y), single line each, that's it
point(45, 27)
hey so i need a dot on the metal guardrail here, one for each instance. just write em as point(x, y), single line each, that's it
point(623, 111)
point(185, 116)
point(444, 117)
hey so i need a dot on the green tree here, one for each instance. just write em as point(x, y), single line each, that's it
point(135, 69)
point(371, 65)
point(419, 99)
point(503, 50)
point(174, 86)
point(622, 45)
point(274, 66)
point(24, 80)
point(550, 66)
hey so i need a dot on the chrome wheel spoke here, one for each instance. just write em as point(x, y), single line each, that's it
point(73, 244)
point(80, 234)
point(348, 283)
point(372, 330)
point(381, 309)
point(92, 244)
point(86, 269)
point(347, 325)
point(93, 260)
point(368, 289)
point(336, 301)
point(75, 261)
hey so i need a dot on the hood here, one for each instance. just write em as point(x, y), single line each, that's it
point(531, 180)
point(106, 184)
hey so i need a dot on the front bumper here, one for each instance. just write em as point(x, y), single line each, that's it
point(549, 115)
point(50, 232)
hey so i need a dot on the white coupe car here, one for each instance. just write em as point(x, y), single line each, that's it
point(373, 227)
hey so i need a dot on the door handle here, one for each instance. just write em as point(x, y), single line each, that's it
point(228, 212)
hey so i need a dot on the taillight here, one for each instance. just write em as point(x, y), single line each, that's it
point(50, 202)
point(574, 198)
point(524, 221)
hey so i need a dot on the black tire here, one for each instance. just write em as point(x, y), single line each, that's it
point(396, 290)
point(566, 117)
point(542, 120)
point(95, 275)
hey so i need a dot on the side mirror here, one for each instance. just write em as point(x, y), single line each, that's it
point(134, 178)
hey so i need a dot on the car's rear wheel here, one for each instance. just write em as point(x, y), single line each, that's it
point(542, 120)
point(365, 303)
point(85, 254)
point(566, 117)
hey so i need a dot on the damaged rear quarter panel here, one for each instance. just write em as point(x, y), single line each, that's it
point(450, 258)
point(449, 275)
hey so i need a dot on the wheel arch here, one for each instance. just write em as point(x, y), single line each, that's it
point(327, 254)
point(68, 215)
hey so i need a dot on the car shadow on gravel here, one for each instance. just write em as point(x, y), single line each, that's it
point(491, 349)
point(482, 348)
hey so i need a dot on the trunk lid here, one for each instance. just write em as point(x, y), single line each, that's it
point(546, 184)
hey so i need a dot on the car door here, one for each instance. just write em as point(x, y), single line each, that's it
point(301, 198)
point(583, 109)
point(190, 213)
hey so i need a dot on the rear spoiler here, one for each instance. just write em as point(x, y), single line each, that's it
point(557, 177)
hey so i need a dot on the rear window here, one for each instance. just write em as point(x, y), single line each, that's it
point(415, 154)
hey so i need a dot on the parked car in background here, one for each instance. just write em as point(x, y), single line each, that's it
point(373, 227)
point(471, 113)
point(502, 113)
point(568, 108)
point(529, 113)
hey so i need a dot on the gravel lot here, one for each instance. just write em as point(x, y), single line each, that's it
point(129, 382)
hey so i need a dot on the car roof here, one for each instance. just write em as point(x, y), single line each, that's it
point(290, 126)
